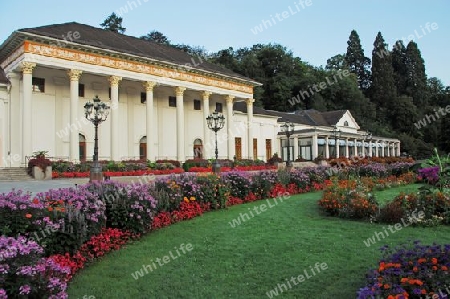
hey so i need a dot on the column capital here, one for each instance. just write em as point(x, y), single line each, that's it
point(206, 95)
point(179, 91)
point(229, 99)
point(250, 101)
point(114, 80)
point(74, 75)
point(149, 85)
point(27, 67)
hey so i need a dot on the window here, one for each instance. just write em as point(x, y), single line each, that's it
point(172, 101)
point(219, 107)
point(81, 90)
point(82, 147)
point(346, 124)
point(38, 84)
point(143, 97)
point(305, 149)
point(268, 148)
point(143, 148)
point(255, 148)
point(198, 149)
point(197, 105)
point(238, 147)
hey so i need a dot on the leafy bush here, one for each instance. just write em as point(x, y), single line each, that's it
point(274, 159)
point(173, 162)
point(24, 273)
point(409, 272)
point(238, 182)
point(128, 206)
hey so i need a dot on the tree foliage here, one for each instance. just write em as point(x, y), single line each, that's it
point(113, 23)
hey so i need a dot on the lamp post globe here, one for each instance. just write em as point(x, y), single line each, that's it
point(96, 112)
point(216, 122)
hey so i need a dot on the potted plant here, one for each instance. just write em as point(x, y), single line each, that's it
point(39, 166)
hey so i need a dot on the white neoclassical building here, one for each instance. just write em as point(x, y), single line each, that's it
point(159, 98)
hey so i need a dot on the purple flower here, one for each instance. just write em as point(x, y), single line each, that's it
point(25, 289)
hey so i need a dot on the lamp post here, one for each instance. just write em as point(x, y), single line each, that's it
point(367, 136)
point(215, 122)
point(288, 129)
point(96, 112)
point(336, 134)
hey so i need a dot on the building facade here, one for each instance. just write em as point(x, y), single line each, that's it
point(159, 98)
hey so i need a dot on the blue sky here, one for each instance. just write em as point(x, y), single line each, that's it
point(314, 32)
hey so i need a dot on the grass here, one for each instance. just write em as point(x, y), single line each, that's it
point(251, 259)
point(388, 194)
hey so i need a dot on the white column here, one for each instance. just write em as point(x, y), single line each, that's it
point(336, 145)
point(150, 122)
point(315, 147)
point(229, 121)
point(206, 131)
point(370, 148)
point(382, 148)
point(295, 146)
point(356, 154)
point(398, 149)
point(114, 83)
point(388, 150)
point(376, 148)
point(347, 153)
point(27, 146)
point(74, 149)
point(180, 123)
point(327, 148)
point(250, 127)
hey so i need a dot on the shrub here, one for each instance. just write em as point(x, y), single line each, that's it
point(409, 272)
point(128, 206)
point(274, 159)
point(75, 214)
point(262, 182)
point(300, 179)
point(24, 273)
point(18, 214)
point(238, 182)
point(173, 162)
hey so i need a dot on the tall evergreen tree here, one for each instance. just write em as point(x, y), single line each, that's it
point(399, 67)
point(357, 62)
point(383, 91)
point(416, 79)
point(113, 23)
point(157, 37)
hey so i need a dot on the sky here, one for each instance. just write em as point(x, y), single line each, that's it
point(313, 30)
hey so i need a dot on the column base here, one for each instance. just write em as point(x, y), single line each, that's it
point(96, 173)
point(216, 167)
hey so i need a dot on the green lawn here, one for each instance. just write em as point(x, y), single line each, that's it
point(251, 259)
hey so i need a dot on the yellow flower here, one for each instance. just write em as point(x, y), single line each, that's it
point(186, 199)
point(192, 198)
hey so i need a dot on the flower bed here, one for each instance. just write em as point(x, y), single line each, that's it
point(410, 272)
point(116, 213)
point(86, 174)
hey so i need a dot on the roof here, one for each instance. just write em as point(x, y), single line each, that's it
point(124, 44)
point(3, 78)
point(109, 40)
point(306, 117)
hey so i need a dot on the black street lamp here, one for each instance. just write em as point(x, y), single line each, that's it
point(96, 113)
point(367, 136)
point(336, 134)
point(216, 121)
point(288, 129)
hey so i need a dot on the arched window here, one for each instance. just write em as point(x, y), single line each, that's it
point(82, 147)
point(143, 148)
point(346, 124)
point(198, 149)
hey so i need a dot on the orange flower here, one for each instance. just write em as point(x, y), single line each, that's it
point(50, 209)
point(415, 269)
point(403, 280)
point(387, 286)
point(434, 268)
point(192, 198)
point(186, 199)
point(422, 260)
point(444, 268)
point(35, 201)
point(423, 291)
point(28, 215)
point(434, 261)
